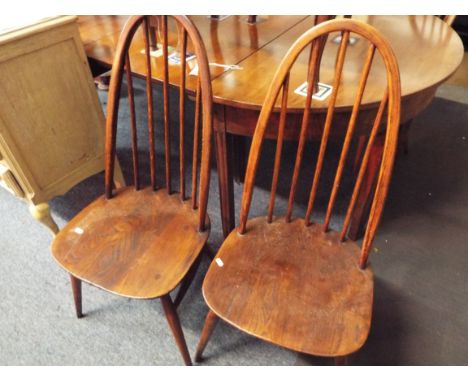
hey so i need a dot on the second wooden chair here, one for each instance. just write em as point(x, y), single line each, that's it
point(292, 281)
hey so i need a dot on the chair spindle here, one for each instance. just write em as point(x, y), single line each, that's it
point(327, 126)
point(279, 146)
point(167, 138)
point(311, 79)
point(196, 127)
point(183, 65)
point(131, 104)
point(349, 134)
point(362, 169)
point(149, 95)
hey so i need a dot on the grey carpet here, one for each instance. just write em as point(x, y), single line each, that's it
point(420, 261)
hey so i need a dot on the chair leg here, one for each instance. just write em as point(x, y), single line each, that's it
point(210, 323)
point(341, 361)
point(76, 287)
point(174, 324)
point(186, 282)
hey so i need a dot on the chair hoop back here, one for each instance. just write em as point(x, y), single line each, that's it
point(187, 34)
point(316, 37)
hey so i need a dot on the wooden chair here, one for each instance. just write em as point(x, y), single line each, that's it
point(292, 281)
point(142, 242)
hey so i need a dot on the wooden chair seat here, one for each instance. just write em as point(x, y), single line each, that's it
point(294, 286)
point(137, 244)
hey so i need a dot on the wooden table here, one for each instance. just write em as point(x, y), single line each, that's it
point(428, 52)
point(228, 41)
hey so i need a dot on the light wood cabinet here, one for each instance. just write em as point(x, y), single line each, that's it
point(51, 120)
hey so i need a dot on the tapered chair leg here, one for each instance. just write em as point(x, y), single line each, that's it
point(174, 324)
point(210, 323)
point(341, 361)
point(76, 287)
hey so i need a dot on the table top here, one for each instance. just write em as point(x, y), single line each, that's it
point(228, 41)
point(428, 52)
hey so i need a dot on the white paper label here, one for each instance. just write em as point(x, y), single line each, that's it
point(323, 92)
point(219, 262)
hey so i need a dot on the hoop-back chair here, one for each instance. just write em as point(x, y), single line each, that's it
point(144, 241)
point(291, 281)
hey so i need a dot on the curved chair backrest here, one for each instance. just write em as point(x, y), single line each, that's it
point(188, 36)
point(280, 83)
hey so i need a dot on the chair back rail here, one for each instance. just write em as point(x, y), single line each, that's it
point(203, 108)
point(390, 104)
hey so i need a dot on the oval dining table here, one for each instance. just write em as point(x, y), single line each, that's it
point(427, 49)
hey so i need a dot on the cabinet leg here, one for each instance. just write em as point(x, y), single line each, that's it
point(41, 213)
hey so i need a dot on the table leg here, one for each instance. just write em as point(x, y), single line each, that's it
point(239, 151)
point(363, 204)
point(223, 162)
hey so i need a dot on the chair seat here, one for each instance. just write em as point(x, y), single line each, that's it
point(294, 286)
point(137, 244)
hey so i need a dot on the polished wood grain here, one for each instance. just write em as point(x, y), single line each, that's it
point(136, 244)
point(144, 241)
point(92, 28)
point(294, 286)
point(292, 281)
point(427, 35)
point(227, 42)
